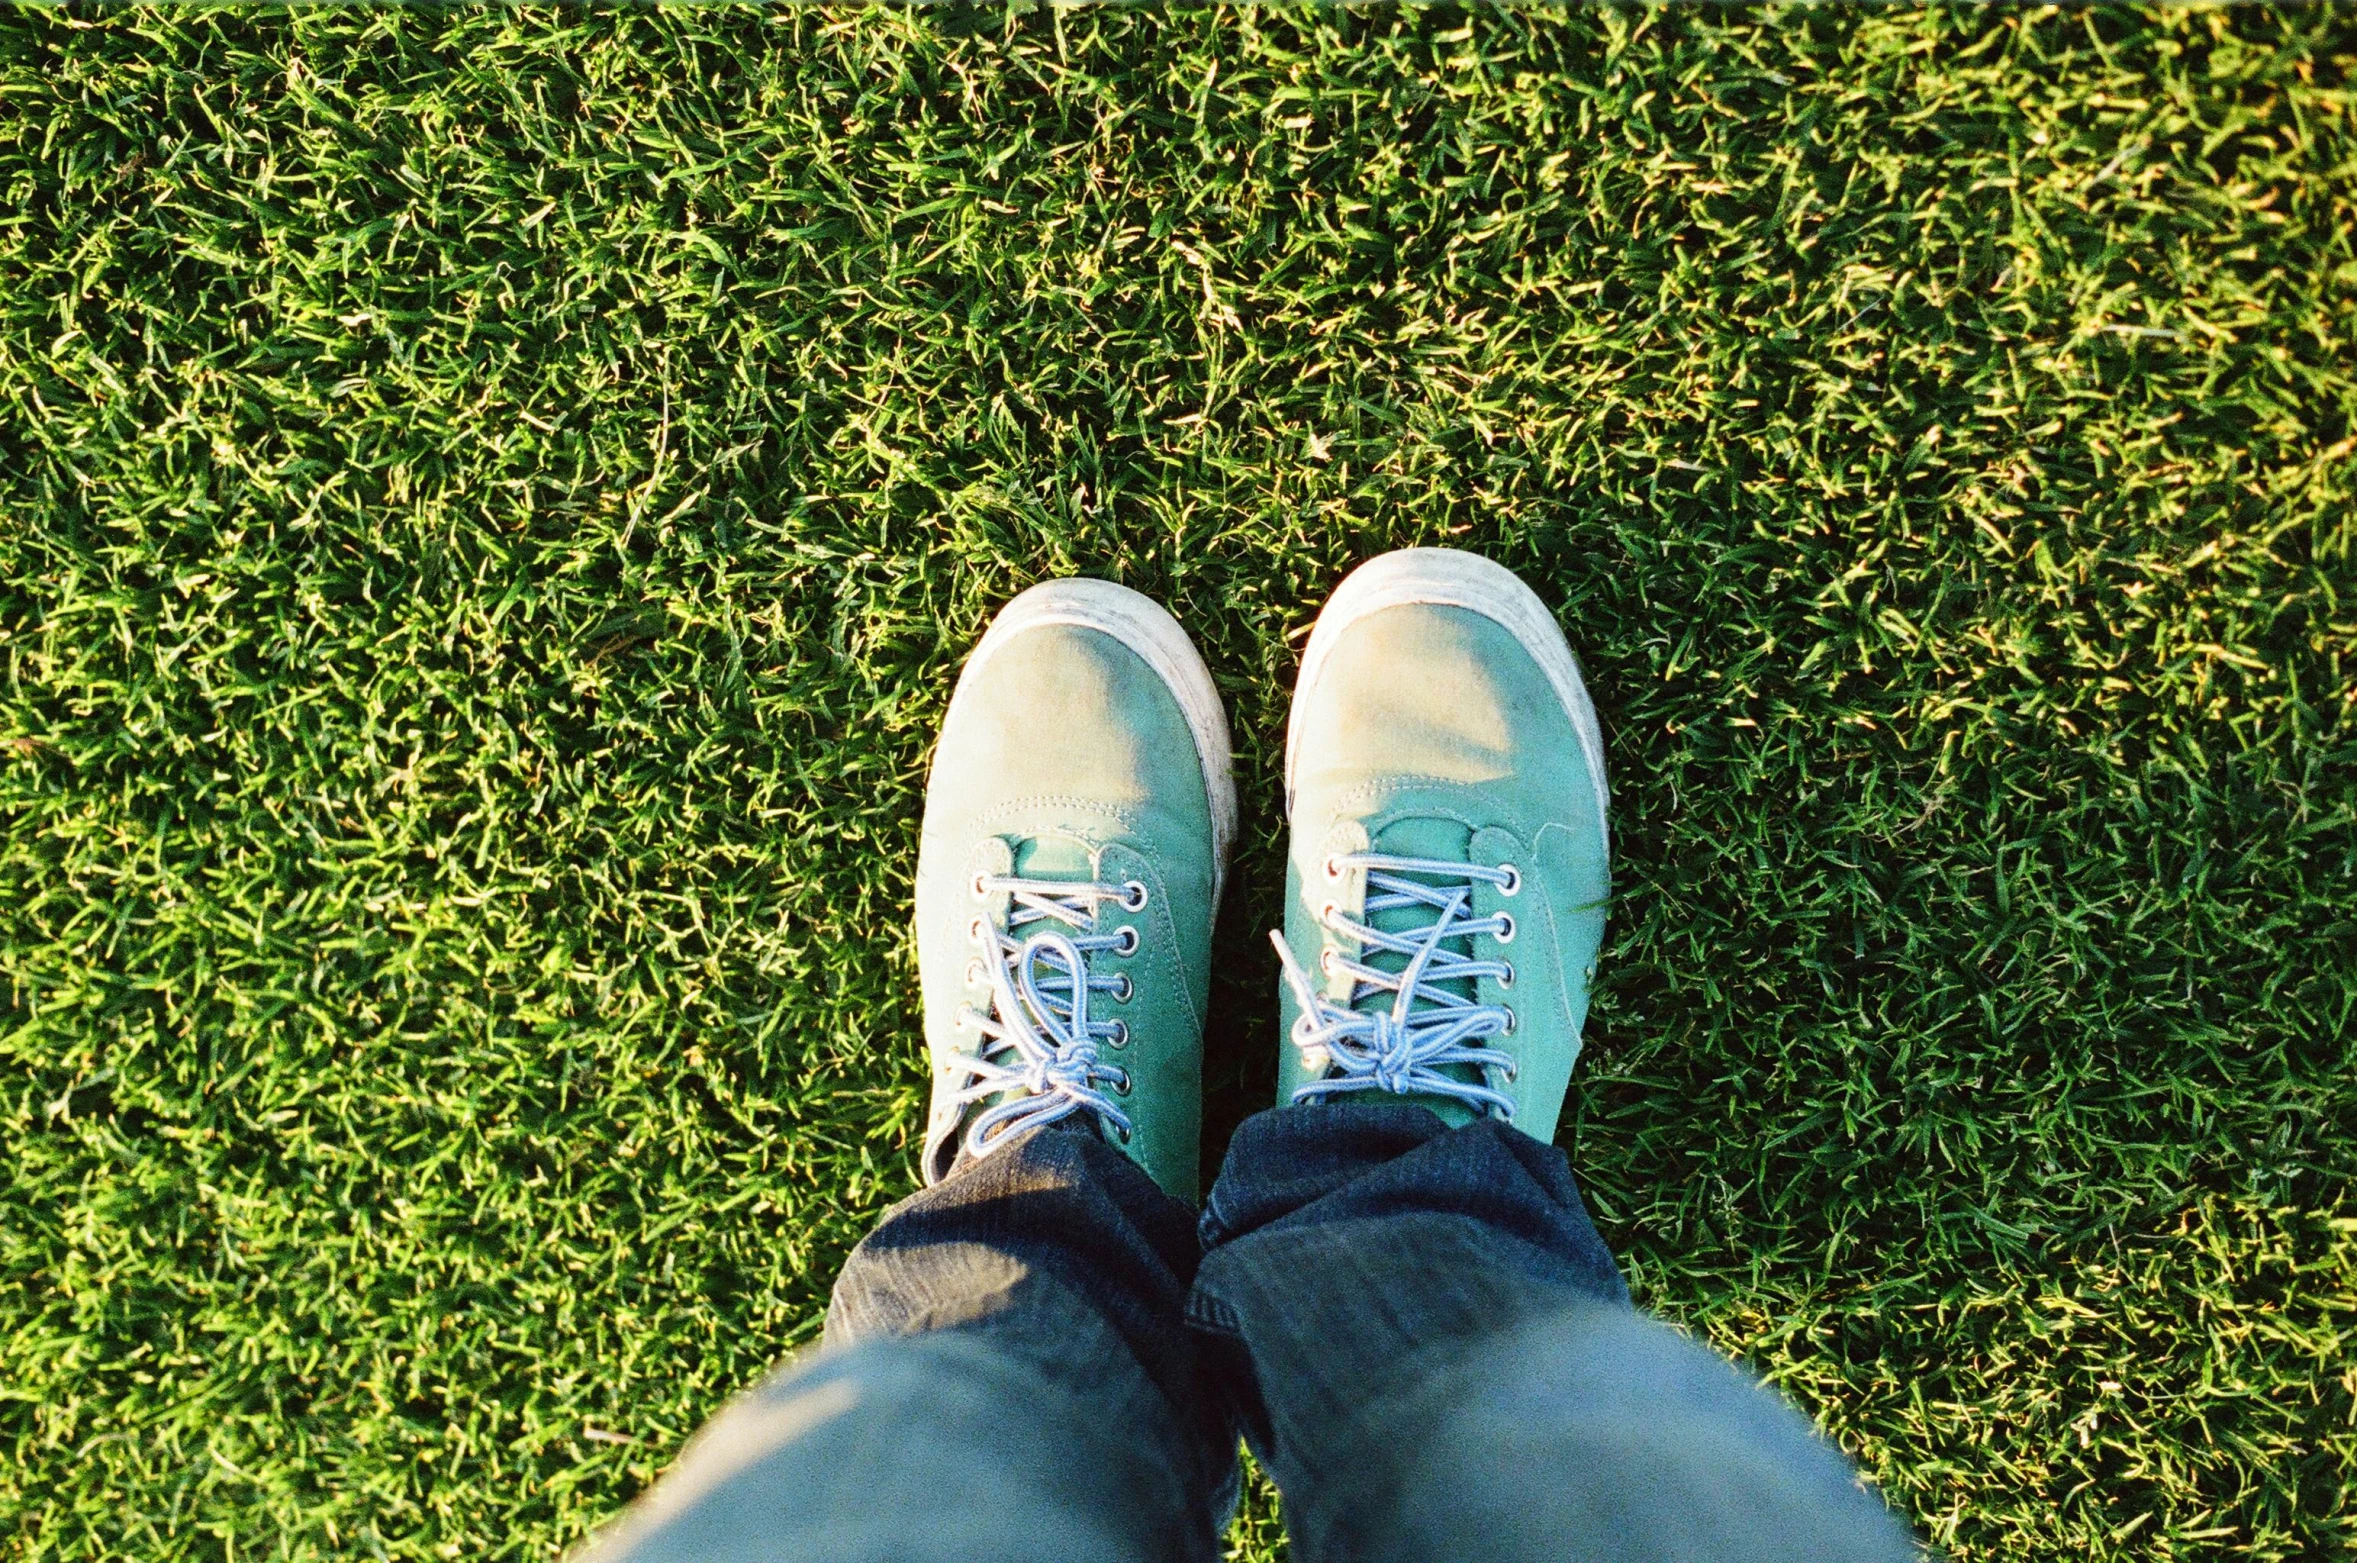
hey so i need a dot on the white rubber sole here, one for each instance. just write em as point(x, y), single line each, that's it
point(1446, 577)
point(1146, 628)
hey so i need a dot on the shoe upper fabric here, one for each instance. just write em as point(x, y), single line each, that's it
point(1430, 731)
point(1066, 758)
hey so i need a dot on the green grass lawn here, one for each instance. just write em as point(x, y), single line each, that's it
point(491, 505)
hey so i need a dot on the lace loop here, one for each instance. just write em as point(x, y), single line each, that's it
point(1406, 1047)
point(1039, 1044)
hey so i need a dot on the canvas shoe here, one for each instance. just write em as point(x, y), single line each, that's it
point(1077, 824)
point(1445, 887)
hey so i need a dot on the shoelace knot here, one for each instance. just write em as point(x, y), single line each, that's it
point(1039, 1049)
point(1406, 1047)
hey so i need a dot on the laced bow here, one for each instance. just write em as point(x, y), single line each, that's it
point(1406, 1046)
point(1039, 1045)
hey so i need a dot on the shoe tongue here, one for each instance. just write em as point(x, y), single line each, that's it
point(1440, 840)
point(1446, 840)
point(1053, 857)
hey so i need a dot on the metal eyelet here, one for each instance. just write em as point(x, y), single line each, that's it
point(1121, 1087)
point(1120, 1036)
point(1513, 885)
point(1326, 960)
point(1128, 944)
point(1133, 896)
point(1506, 934)
point(1326, 914)
point(1513, 1071)
point(1333, 867)
point(1122, 994)
point(980, 887)
point(1509, 1031)
point(1122, 1135)
point(975, 975)
point(974, 930)
point(1506, 977)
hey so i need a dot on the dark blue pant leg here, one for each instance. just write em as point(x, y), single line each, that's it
point(1006, 1374)
point(1432, 1353)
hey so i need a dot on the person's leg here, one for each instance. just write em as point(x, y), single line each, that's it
point(1431, 1347)
point(1004, 1376)
point(1434, 1357)
point(1006, 1372)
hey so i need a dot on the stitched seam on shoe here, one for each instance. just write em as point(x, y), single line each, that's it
point(1368, 791)
point(1111, 811)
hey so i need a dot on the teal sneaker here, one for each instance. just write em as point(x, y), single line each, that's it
point(1077, 824)
point(1444, 780)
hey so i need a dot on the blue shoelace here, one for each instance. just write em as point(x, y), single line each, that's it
point(1405, 1046)
point(1039, 1044)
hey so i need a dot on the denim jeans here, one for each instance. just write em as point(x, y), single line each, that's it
point(1416, 1329)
